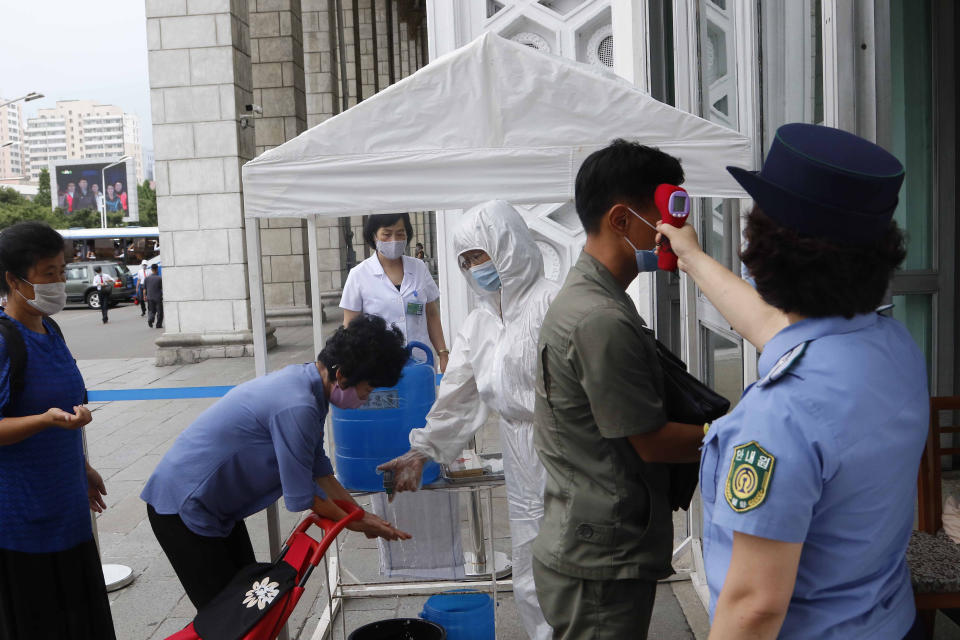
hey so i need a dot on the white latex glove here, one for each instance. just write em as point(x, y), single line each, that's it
point(407, 470)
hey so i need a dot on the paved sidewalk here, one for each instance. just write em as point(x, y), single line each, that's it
point(127, 439)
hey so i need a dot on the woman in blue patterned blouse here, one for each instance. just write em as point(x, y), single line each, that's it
point(51, 581)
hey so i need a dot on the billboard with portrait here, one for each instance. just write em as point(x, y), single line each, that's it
point(101, 185)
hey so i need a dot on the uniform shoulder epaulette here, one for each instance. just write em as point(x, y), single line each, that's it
point(786, 362)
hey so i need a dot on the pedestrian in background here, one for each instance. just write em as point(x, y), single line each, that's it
point(141, 291)
point(104, 286)
point(153, 291)
point(809, 485)
point(51, 582)
point(599, 420)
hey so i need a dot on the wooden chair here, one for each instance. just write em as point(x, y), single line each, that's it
point(933, 557)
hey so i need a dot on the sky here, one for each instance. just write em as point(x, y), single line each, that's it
point(88, 50)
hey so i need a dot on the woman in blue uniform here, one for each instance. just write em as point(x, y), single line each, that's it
point(808, 485)
point(51, 582)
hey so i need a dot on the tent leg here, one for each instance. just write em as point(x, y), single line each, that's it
point(258, 317)
point(315, 302)
point(258, 320)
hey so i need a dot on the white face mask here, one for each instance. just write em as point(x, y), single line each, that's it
point(49, 298)
point(391, 249)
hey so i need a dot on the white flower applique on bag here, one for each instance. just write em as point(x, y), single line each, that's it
point(261, 593)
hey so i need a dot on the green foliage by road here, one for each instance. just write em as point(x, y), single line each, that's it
point(43, 194)
point(16, 208)
point(147, 204)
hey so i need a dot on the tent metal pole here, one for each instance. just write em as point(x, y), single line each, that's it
point(258, 317)
point(315, 301)
point(258, 321)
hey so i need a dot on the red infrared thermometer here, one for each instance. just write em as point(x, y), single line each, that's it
point(673, 202)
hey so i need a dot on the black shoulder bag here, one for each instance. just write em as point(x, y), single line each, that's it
point(687, 400)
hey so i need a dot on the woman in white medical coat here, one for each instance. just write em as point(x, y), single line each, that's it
point(394, 286)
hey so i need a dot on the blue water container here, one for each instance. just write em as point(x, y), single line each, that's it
point(465, 615)
point(379, 430)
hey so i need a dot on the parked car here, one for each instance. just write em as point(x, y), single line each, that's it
point(80, 282)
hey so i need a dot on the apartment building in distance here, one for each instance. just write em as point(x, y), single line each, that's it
point(13, 150)
point(83, 129)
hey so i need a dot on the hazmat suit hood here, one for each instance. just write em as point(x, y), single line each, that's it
point(498, 229)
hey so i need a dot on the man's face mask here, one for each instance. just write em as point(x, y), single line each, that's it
point(646, 259)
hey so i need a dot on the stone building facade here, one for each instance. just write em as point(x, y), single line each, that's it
point(230, 79)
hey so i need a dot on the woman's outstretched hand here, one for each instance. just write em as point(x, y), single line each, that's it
point(81, 417)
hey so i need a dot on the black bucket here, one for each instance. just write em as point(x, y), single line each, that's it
point(399, 629)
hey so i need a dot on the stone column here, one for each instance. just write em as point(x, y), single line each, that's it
point(276, 53)
point(200, 81)
point(323, 102)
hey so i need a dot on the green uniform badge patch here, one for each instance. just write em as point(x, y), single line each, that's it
point(748, 482)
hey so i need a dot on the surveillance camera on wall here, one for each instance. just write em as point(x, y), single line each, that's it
point(253, 108)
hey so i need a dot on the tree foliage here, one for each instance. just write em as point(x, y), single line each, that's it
point(43, 193)
point(15, 208)
point(147, 204)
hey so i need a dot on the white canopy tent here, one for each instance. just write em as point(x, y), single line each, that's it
point(493, 119)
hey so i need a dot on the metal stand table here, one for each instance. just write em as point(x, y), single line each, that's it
point(491, 580)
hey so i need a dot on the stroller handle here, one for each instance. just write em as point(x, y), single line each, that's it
point(330, 528)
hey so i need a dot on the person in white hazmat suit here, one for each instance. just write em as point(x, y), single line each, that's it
point(493, 366)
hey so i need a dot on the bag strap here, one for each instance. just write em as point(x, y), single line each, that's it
point(663, 351)
point(56, 328)
point(17, 354)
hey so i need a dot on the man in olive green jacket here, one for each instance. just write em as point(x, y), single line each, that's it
point(600, 426)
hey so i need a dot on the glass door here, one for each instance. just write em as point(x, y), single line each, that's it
point(723, 101)
point(750, 66)
point(921, 114)
point(715, 65)
point(916, 289)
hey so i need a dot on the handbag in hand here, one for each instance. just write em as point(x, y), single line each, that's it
point(687, 400)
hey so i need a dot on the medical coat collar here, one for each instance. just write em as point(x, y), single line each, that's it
point(806, 330)
point(378, 271)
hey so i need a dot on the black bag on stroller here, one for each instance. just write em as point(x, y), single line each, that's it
point(243, 602)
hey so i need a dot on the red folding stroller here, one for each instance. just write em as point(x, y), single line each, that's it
point(267, 593)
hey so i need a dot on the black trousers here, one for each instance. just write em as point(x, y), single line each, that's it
point(917, 631)
point(54, 596)
point(204, 565)
point(143, 303)
point(155, 311)
point(104, 303)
